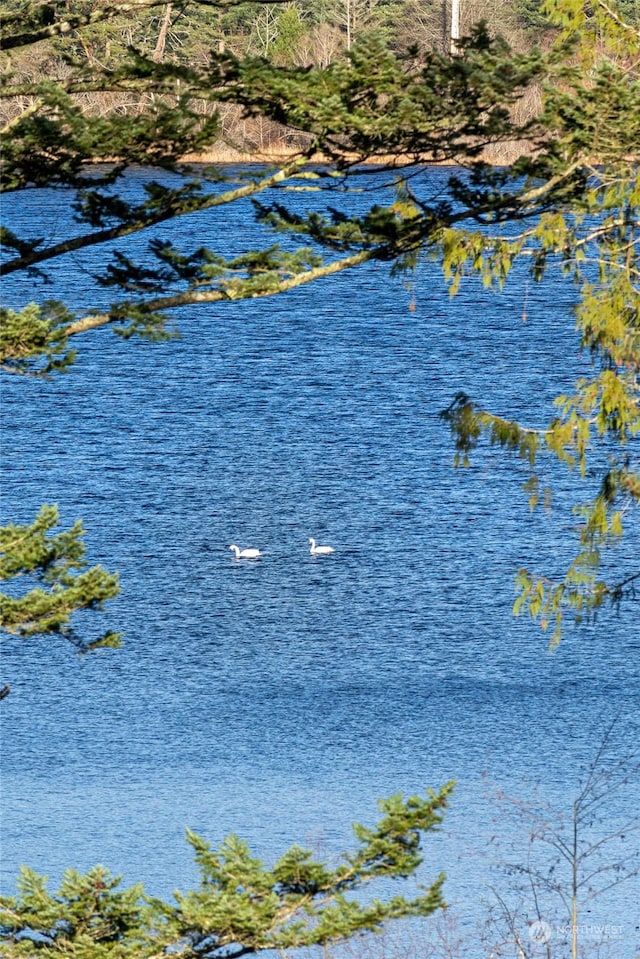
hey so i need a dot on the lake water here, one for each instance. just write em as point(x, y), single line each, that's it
point(281, 698)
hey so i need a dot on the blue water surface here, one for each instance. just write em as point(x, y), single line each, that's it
point(280, 698)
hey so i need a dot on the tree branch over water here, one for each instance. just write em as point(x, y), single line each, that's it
point(573, 193)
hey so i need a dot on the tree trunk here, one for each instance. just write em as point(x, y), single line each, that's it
point(158, 53)
point(455, 26)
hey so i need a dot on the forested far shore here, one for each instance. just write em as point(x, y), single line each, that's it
point(297, 35)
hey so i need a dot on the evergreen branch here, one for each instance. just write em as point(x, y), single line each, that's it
point(57, 563)
point(27, 112)
point(192, 297)
point(170, 211)
point(615, 16)
point(617, 589)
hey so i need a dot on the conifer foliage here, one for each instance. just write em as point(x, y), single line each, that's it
point(59, 585)
point(240, 907)
point(572, 196)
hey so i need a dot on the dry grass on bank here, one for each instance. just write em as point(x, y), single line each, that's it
point(277, 154)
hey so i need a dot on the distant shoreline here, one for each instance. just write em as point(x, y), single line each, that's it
point(499, 155)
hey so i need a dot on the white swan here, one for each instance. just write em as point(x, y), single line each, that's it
point(319, 550)
point(245, 553)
